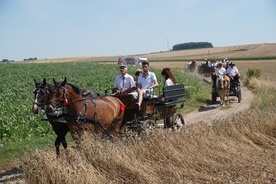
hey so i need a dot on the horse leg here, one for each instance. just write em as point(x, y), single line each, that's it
point(57, 144)
point(227, 97)
point(63, 142)
point(63, 131)
point(223, 100)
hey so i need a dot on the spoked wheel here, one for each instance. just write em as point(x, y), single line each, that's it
point(178, 121)
point(149, 125)
point(126, 132)
point(131, 130)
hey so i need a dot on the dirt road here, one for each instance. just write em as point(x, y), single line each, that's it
point(209, 112)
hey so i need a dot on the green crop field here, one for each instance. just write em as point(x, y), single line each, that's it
point(16, 92)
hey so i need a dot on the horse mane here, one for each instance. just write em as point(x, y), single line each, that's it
point(75, 88)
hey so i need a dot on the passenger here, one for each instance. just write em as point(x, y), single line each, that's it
point(168, 76)
point(214, 78)
point(146, 82)
point(213, 63)
point(169, 81)
point(137, 73)
point(219, 72)
point(225, 63)
point(233, 73)
point(124, 82)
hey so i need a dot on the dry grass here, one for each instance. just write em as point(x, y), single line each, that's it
point(239, 150)
point(265, 92)
point(238, 51)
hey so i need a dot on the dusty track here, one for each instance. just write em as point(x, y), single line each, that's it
point(209, 112)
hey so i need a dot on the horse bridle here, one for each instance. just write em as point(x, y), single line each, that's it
point(41, 105)
point(78, 100)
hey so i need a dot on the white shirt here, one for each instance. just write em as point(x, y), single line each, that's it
point(169, 82)
point(224, 63)
point(232, 71)
point(146, 81)
point(220, 71)
point(124, 82)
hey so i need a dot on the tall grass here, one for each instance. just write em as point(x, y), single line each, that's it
point(265, 92)
point(236, 151)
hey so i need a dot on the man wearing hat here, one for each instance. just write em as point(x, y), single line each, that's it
point(124, 82)
point(233, 73)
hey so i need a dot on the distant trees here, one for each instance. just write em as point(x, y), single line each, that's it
point(192, 45)
point(6, 60)
point(30, 59)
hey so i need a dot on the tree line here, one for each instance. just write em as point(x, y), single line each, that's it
point(192, 45)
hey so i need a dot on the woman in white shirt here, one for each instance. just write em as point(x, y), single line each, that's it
point(169, 81)
point(168, 76)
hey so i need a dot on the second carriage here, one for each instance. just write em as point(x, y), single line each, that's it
point(155, 112)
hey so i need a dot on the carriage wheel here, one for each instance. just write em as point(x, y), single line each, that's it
point(149, 124)
point(126, 132)
point(178, 121)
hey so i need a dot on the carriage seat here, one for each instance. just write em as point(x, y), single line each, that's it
point(171, 95)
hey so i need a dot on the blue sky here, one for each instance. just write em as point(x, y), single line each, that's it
point(71, 28)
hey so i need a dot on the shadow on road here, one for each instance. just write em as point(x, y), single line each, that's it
point(10, 175)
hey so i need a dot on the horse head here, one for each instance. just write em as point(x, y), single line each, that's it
point(223, 82)
point(59, 96)
point(64, 95)
point(42, 95)
point(223, 88)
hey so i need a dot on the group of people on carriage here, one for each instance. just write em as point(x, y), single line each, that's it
point(144, 83)
point(206, 66)
point(225, 68)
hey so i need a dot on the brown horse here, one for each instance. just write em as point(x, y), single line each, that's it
point(223, 87)
point(87, 115)
point(43, 93)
